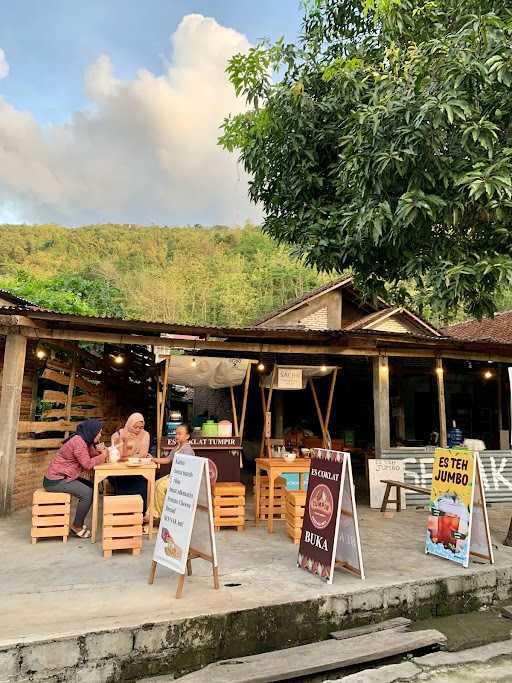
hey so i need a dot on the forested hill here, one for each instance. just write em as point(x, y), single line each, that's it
point(216, 276)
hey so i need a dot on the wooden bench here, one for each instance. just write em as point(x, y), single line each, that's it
point(122, 524)
point(398, 485)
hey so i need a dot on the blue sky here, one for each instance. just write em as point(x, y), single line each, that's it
point(50, 47)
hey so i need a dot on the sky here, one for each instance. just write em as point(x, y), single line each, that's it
point(110, 109)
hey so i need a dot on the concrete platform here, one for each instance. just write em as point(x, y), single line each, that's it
point(65, 611)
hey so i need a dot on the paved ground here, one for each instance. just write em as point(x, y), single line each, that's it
point(486, 664)
point(51, 589)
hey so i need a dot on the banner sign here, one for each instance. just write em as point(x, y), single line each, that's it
point(186, 523)
point(330, 533)
point(289, 378)
point(379, 469)
point(456, 492)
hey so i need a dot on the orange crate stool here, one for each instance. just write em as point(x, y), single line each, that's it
point(279, 498)
point(295, 503)
point(50, 515)
point(229, 505)
point(122, 524)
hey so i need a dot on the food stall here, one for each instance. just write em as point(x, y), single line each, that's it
point(220, 442)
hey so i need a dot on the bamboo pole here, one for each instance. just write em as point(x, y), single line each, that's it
point(264, 409)
point(164, 392)
point(244, 401)
point(233, 410)
point(318, 411)
point(158, 415)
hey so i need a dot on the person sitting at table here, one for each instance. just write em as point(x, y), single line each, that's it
point(133, 442)
point(82, 450)
point(182, 446)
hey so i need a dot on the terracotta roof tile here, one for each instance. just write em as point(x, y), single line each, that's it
point(497, 329)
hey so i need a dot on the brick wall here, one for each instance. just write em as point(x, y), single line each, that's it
point(29, 467)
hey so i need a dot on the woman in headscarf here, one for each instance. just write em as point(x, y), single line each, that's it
point(182, 446)
point(133, 442)
point(80, 451)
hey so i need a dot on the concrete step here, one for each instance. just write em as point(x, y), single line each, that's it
point(315, 658)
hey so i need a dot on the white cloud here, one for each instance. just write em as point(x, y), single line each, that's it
point(4, 66)
point(144, 151)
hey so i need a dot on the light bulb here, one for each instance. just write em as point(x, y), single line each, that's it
point(41, 353)
point(324, 368)
point(487, 374)
point(118, 360)
point(261, 367)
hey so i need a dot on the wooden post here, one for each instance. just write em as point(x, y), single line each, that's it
point(318, 412)
point(381, 404)
point(71, 390)
point(329, 402)
point(10, 402)
point(244, 402)
point(163, 397)
point(441, 401)
point(233, 410)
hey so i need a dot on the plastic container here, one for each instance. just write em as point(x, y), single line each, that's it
point(225, 428)
point(210, 428)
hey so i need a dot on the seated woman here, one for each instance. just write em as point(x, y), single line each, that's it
point(133, 442)
point(80, 451)
point(182, 446)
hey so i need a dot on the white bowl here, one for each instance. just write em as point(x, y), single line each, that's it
point(289, 457)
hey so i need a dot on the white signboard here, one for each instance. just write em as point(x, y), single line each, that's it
point(175, 531)
point(379, 469)
point(289, 378)
point(348, 547)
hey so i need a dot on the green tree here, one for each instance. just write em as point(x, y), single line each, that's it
point(384, 146)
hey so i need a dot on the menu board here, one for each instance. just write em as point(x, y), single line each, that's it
point(179, 511)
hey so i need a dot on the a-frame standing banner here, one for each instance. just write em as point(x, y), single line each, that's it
point(186, 530)
point(330, 531)
point(458, 526)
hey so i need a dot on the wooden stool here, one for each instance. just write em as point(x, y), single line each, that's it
point(122, 524)
point(229, 505)
point(279, 498)
point(295, 503)
point(50, 515)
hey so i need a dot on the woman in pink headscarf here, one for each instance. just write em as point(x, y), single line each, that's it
point(133, 442)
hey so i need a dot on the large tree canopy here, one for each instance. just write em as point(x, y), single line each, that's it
point(384, 145)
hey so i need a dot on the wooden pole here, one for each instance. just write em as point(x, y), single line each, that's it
point(264, 409)
point(71, 389)
point(244, 401)
point(329, 402)
point(441, 401)
point(233, 410)
point(164, 393)
point(318, 411)
point(10, 402)
point(158, 416)
point(381, 404)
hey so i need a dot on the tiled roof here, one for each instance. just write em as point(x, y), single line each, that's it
point(343, 281)
point(498, 329)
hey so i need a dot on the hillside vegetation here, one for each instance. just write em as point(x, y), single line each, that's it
point(216, 276)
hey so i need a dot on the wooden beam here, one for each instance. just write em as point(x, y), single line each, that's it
point(39, 443)
point(329, 402)
point(441, 402)
point(71, 389)
point(163, 397)
point(244, 401)
point(381, 404)
point(318, 411)
point(25, 427)
point(233, 410)
point(10, 402)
